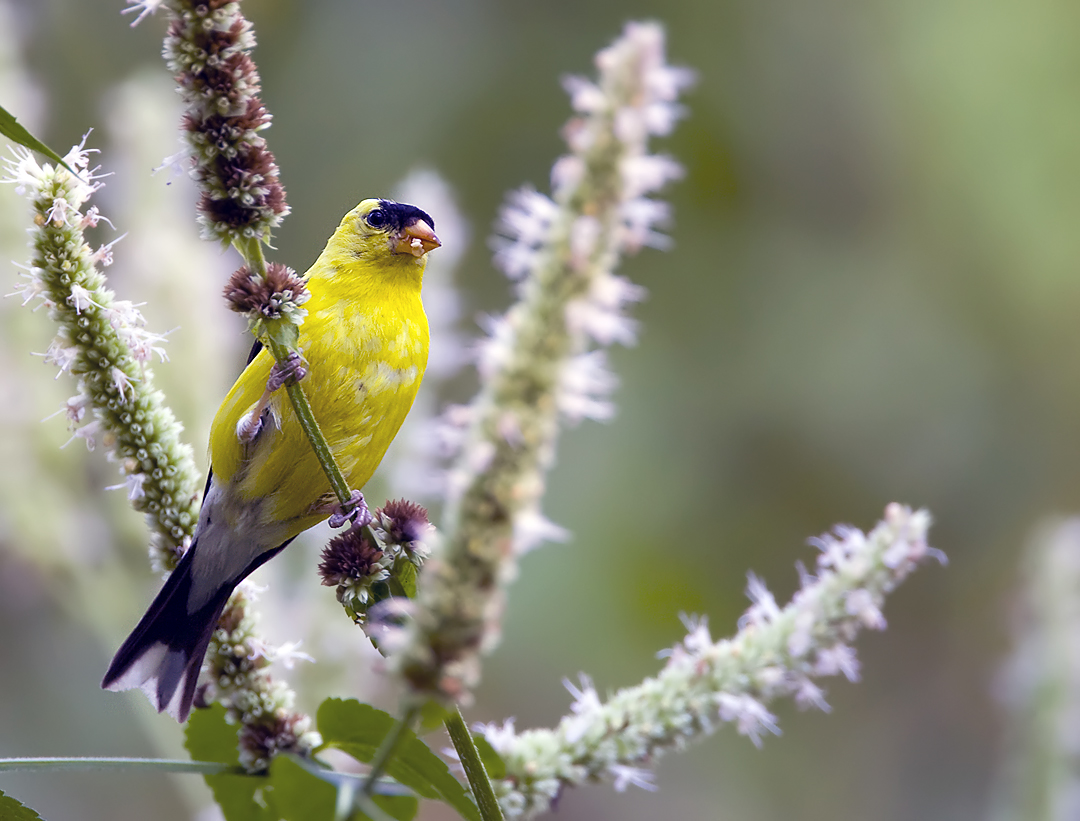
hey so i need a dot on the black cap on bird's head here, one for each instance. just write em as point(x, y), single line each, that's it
point(412, 230)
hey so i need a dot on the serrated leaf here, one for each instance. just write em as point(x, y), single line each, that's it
point(207, 737)
point(301, 795)
point(12, 810)
point(493, 763)
point(358, 729)
point(14, 131)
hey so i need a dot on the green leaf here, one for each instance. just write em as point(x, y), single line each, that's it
point(11, 129)
point(298, 795)
point(209, 738)
point(302, 794)
point(12, 810)
point(401, 807)
point(358, 729)
point(432, 716)
point(406, 574)
point(493, 763)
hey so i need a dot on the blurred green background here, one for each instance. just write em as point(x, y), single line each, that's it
point(872, 296)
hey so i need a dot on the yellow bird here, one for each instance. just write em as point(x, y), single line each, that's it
point(364, 343)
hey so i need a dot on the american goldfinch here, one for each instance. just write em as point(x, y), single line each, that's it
point(364, 344)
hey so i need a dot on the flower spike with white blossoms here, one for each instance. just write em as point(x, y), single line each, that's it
point(237, 663)
point(540, 362)
point(705, 683)
point(102, 342)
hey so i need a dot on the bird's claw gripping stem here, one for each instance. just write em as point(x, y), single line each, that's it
point(291, 369)
point(355, 510)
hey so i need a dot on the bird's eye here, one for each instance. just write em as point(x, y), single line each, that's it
point(377, 218)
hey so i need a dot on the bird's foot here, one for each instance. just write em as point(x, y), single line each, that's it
point(355, 511)
point(251, 424)
point(289, 370)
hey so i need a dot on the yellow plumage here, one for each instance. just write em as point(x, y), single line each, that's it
point(364, 343)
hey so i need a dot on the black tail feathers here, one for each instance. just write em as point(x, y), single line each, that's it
point(164, 653)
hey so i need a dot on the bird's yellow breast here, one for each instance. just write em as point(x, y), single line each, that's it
point(365, 345)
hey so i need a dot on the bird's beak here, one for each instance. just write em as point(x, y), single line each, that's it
point(417, 239)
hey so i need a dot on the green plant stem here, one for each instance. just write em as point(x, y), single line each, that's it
point(311, 428)
point(388, 747)
point(160, 764)
point(475, 771)
point(252, 252)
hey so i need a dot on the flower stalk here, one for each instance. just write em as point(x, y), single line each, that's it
point(102, 342)
point(778, 652)
point(208, 47)
point(539, 363)
point(1040, 685)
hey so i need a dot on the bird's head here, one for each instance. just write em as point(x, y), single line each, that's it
point(379, 228)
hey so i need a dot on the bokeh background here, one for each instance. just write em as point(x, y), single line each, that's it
point(872, 296)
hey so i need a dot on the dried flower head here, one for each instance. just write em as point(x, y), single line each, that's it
point(348, 558)
point(279, 734)
point(353, 564)
point(277, 296)
point(403, 527)
point(208, 47)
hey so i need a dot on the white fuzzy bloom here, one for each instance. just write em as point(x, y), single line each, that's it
point(61, 355)
point(121, 381)
point(584, 385)
point(764, 608)
point(135, 482)
point(80, 298)
point(532, 528)
point(32, 288)
point(289, 654)
point(839, 658)
point(861, 603)
point(88, 433)
point(75, 408)
point(748, 714)
point(144, 8)
point(623, 776)
point(706, 683)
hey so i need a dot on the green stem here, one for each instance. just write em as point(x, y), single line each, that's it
point(161, 764)
point(388, 747)
point(311, 428)
point(252, 252)
point(475, 770)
